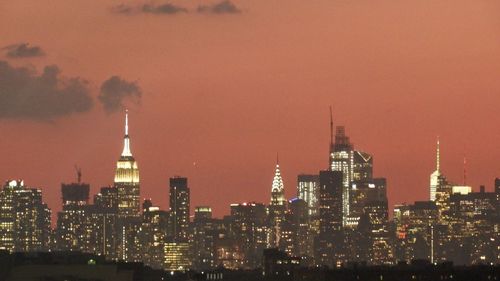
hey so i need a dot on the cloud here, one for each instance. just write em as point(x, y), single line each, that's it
point(26, 95)
point(115, 91)
point(23, 50)
point(123, 9)
point(224, 7)
point(165, 9)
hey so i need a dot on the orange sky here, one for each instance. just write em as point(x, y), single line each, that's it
point(222, 93)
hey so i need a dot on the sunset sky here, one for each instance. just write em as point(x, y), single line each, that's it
point(216, 89)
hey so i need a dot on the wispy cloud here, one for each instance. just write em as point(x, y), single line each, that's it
point(161, 9)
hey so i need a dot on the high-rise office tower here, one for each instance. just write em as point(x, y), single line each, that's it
point(24, 219)
point(103, 225)
point(354, 165)
point(249, 228)
point(363, 192)
point(435, 176)
point(297, 239)
point(277, 208)
point(329, 241)
point(204, 236)
point(71, 221)
point(179, 209)
point(308, 190)
point(127, 180)
point(153, 232)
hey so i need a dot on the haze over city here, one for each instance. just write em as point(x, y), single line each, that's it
point(213, 94)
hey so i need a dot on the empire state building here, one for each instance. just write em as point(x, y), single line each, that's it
point(127, 180)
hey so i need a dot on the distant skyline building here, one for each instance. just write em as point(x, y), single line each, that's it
point(329, 241)
point(179, 208)
point(25, 222)
point(71, 221)
point(277, 189)
point(308, 190)
point(127, 180)
point(435, 176)
point(277, 208)
point(354, 165)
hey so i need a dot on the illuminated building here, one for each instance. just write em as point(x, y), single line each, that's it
point(127, 180)
point(354, 165)
point(103, 225)
point(277, 209)
point(72, 220)
point(423, 216)
point(329, 243)
point(401, 219)
point(204, 236)
point(153, 235)
point(298, 239)
point(228, 251)
point(374, 246)
point(24, 219)
point(249, 228)
point(176, 256)
point(435, 176)
point(361, 193)
point(474, 227)
point(127, 184)
point(461, 189)
point(279, 265)
point(308, 190)
point(179, 209)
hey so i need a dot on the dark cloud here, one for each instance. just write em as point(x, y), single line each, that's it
point(165, 9)
point(23, 50)
point(115, 91)
point(224, 7)
point(26, 95)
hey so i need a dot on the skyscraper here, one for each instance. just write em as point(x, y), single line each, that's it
point(127, 184)
point(277, 190)
point(24, 218)
point(179, 209)
point(435, 176)
point(248, 226)
point(308, 190)
point(127, 180)
point(277, 208)
point(330, 241)
point(354, 165)
point(71, 221)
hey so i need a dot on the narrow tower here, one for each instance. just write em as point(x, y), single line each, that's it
point(434, 180)
point(277, 190)
point(127, 180)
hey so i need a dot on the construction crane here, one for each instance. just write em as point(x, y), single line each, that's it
point(78, 174)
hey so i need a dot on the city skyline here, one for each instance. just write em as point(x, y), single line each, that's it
point(290, 192)
point(222, 93)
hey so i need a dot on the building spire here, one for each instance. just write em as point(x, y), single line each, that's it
point(126, 122)
point(465, 170)
point(437, 155)
point(331, 129)
point(126, 140)
point(277, 190)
